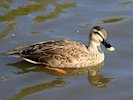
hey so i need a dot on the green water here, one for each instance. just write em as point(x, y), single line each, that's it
point(23, 22)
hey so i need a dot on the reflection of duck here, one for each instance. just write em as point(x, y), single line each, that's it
point(94, 77)
point(66, 53)
point(99, 80)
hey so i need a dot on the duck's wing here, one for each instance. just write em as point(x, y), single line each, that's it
point(35, 48)
point(52, 53)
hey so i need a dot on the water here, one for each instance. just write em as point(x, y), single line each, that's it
point(24, 22)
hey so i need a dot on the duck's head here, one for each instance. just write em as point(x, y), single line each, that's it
point(99, 35)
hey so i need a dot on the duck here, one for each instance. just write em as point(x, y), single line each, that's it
point(66, 53)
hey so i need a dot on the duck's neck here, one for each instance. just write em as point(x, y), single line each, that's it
point(94, 46)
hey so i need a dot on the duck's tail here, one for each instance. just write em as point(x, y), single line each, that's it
point(18, 52)
point(14, 53)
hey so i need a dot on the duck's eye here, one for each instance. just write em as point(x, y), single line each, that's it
point(97, 33)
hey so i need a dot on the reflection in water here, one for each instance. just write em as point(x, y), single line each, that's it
point(94, 77)
point(125, 3)
point(25, 10)
point(99, 80)
point(5, 3)
point(39, 87)
point(3, 78)
point(10, 16)
point(58, 10)
point(39, 6)
point(8, 29)
point(93, 72)
point(110, 20)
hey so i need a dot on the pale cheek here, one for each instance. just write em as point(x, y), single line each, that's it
point(95, 37)
point(100, 39)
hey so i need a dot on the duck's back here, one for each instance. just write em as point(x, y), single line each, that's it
point(61, 53)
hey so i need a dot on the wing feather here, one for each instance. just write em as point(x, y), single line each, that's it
point(54, 53)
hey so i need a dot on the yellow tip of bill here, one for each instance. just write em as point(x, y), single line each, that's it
point(111, 49)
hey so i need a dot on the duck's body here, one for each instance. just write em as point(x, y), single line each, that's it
point(63, 53)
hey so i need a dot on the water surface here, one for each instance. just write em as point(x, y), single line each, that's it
point(23, 22)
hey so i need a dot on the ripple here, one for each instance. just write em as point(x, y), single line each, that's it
point(57, 11)
point(125, 3)
point(110, 20)
point(35, 32)
point(3, 78)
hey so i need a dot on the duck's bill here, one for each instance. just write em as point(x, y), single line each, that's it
point(108, 46)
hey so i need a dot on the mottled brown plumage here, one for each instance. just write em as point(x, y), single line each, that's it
point(65, 53)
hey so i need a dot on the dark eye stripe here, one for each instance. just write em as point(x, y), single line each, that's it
point(99, 34)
